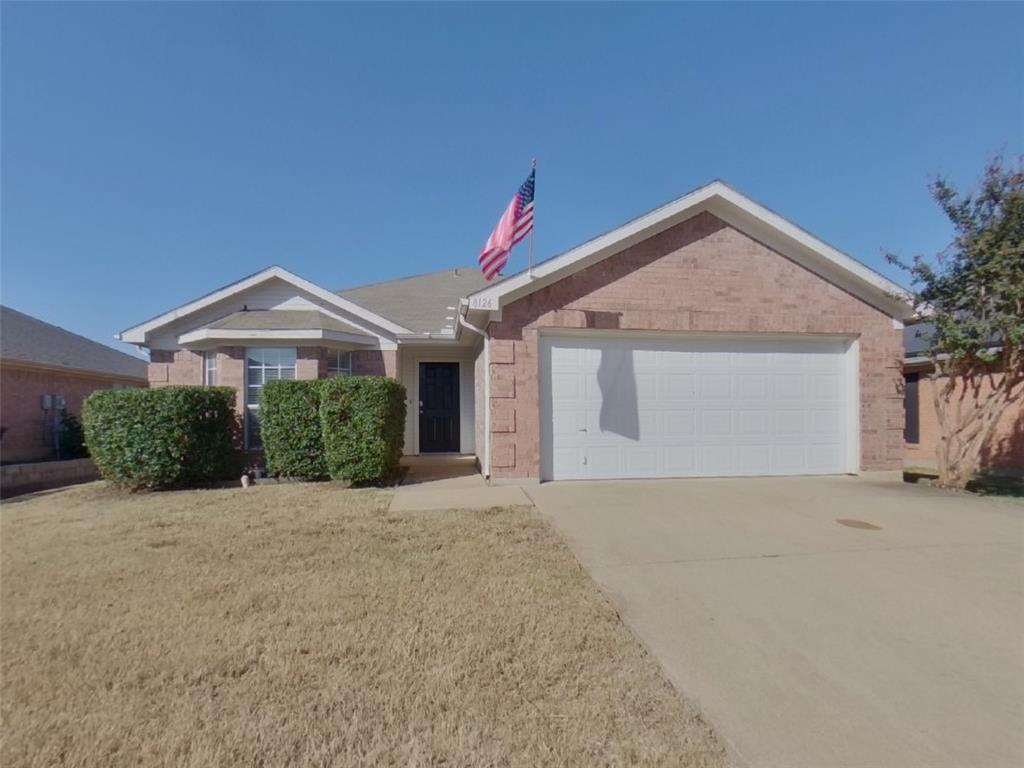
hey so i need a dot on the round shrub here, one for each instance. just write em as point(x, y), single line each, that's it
point(293, 444)
point(171, 437)
point(363, 422)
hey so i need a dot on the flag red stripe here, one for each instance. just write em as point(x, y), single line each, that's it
point(488, 261)
point(524, 222)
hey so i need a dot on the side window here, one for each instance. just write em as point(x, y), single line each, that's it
point(210, 368)
point(911, 409)
point(339, 363)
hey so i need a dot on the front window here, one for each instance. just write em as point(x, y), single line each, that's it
point(261, 366)
point(210, 368)
point(339, 363)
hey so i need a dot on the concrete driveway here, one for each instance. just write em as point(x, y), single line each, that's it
point(807, 642)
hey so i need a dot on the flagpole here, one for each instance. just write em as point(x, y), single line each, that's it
point(529, 269)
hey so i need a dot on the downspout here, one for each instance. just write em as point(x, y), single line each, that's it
point(486, 468)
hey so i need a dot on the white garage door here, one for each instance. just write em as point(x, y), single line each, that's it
point(633, 407)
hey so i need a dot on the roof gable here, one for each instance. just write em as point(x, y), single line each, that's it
point(140, 334)
point(736, 210)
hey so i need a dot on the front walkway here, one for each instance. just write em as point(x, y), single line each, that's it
point(820, 622)
point(450, 482)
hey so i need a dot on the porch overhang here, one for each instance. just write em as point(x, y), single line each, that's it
point(276, 327)
point(207, 338)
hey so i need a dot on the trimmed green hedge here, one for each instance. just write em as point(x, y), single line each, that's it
point(363, 422)
point(170, 437)
point(291, 429)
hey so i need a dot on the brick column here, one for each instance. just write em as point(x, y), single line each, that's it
point(503, 408)
point(310, 363)
point(231, 373)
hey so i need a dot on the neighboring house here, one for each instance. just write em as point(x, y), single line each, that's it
point(707, 337)
point(44, 369)
point(1004, 449)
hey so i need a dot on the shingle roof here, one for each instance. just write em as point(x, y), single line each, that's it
point(284, 320)
point(25, 339)
point(421, 302)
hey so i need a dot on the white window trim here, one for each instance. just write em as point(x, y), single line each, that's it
point(339, 363)
point(263, 367)
point(210, 369)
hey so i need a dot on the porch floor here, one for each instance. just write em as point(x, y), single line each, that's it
point(450, 482)
point(453, 469)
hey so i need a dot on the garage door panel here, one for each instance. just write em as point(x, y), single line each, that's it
point(753, 386)
point(789, 459)
point(678, 386)
point(716, 423)
point(822, 456)
point(826, 423)
point(716, 460)
point(628, 407)
point(603, 461)
point(641, 461)
point(715, 386)
point(753, 459)
point(789, 386)
point(823, 387)
point(680, 460)
point(679, 423)
point(753, 423)
point(566, 386)
point(650, 425)
point(566, 462)
point(566, 423)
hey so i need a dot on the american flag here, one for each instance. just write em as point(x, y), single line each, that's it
point(515, 224)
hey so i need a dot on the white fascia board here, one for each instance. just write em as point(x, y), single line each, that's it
point(137, 334)
point(433, 339)
point(226, 334)
point(883, 293)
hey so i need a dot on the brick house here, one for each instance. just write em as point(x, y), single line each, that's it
point(707, 337)
point(1004, 450)
point(44, 368)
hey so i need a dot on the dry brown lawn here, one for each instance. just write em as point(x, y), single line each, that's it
point(305, 625)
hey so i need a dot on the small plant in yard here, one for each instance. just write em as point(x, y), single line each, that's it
point(162, 438)
point(72, 437)
point(973, 295)
point(363, 422)
point(291, 429)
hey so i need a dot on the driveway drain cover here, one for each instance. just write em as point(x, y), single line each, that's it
point(858, 524)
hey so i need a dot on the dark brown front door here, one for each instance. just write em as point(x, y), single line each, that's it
point(439, 407)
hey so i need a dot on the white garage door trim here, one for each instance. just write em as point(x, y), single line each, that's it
point(727, 387)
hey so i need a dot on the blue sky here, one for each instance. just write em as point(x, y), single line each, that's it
point(153, 152)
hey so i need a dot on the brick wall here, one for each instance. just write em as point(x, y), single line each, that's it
point(310, 363)
point(1004, 450)
point(375, 362)
point(703, 276)
point(167, 368)
point(25, 438)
